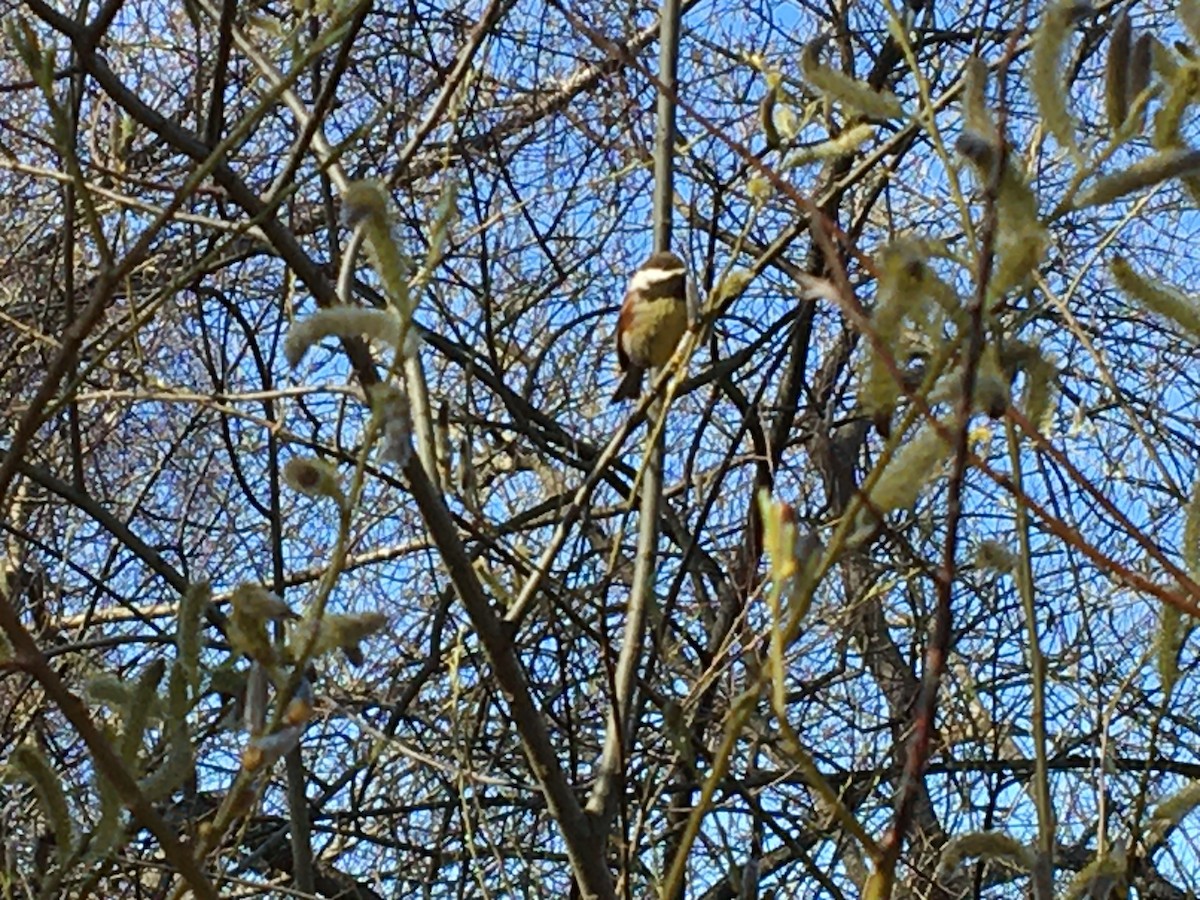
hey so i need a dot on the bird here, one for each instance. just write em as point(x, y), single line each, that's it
point(653, 317)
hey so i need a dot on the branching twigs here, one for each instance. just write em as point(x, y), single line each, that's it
point(856, 316)
point(963, 458)
point(29, 659)
point(525, 432)
point(454, 80)
point(586, 856)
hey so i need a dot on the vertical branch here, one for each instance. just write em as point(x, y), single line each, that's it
point(618, 737)
point(1043, 874)
point(664, 130)
point(75, 99)
point(938, 648)
point(300, 826)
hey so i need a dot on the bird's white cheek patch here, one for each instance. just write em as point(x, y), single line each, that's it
point(642, 279)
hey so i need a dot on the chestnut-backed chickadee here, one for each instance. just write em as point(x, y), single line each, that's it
point(653, 318)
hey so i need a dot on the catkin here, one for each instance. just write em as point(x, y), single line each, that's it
point(1157, 297)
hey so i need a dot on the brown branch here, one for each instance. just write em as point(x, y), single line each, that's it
point(587, 856)
point(28, 658)
point(938, 648)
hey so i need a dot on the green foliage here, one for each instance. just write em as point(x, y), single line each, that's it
point(977, 116)
point(109, 690)
point(1182, 89)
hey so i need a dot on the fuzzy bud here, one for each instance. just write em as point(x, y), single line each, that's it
point(266, 750)
point(313, 477)
point(382, 325)
point(1158, 297)
point(1180, 162)
point(856, 96)
point(1046, 71)
point(389, 404)
point(335, 632)
point(986, 845)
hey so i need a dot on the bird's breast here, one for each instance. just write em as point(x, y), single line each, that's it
point(654, 328)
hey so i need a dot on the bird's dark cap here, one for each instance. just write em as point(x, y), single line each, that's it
point(665, 260)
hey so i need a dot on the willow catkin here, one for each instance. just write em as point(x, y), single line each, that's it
point(382, 325)
point(142, 700)
point(856, 96)
point(188, 635)
point(985, 845)
point(366, 205)
point(1168, 643)
point(1191, 532)
point(1117, 71)
point(27, 763)
point(313, 477)
point(1182, 89)
point(1157, 296)
point(1170, 812)
point(977, 117)
point(1149, 172)
point(1046, 72)
point(910, 469)
point(846, 142)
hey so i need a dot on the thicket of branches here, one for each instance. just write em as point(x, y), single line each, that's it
point(301, 600)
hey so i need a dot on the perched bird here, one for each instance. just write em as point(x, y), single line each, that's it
point(653, 318)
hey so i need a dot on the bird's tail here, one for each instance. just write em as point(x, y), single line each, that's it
point(630, 387)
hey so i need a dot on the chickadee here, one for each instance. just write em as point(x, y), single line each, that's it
point(653, 318)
